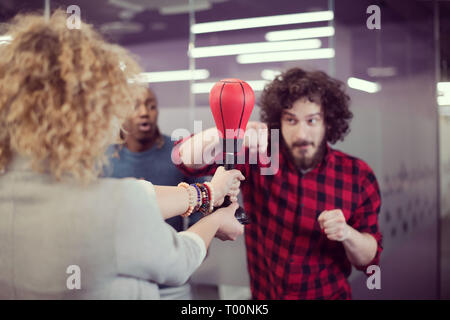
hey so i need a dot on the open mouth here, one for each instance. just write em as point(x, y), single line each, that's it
point(145, 126)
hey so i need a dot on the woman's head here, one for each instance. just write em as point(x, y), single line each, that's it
point(63, 95)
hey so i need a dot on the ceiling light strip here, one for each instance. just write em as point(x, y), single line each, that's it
point(205, 87)
point(175, 75)
point(363, 85)
point(324, 53)
point(278, 20)
point(243, 48)
point(304, 33)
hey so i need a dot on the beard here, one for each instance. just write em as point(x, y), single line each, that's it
point(305, 162)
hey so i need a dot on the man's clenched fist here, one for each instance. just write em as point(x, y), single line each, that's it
point(333, 223)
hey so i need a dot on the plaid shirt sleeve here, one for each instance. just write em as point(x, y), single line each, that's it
point(365, 218)
point(207, 170)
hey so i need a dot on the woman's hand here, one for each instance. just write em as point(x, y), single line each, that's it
point(230, 228)
point(226, 183)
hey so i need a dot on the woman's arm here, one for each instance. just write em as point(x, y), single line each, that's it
point(148, 248)
point(172, 201)
point(223, 218)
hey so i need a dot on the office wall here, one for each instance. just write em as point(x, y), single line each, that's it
point(444, 127)
point(395, 131)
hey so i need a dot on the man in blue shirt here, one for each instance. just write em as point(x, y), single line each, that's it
point(146, 154)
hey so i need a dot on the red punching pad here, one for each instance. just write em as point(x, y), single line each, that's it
point(231, 102)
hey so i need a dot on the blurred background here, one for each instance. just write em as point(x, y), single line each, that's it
point(397, 77)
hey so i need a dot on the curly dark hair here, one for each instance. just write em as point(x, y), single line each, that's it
point(318, 87)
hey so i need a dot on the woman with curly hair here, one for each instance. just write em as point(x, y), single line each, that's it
point(64, 233)
point(317, 215)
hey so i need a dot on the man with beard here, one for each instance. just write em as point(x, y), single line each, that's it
point(146, 154)
point(317, 215)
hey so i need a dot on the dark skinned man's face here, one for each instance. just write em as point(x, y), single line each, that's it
point(142, 125)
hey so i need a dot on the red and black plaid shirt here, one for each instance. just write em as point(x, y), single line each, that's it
point(288, 255)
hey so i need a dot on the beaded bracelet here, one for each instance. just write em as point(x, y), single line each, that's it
point(198, 185)
point(199, 196)
point(204, 202)
point(211, 195)
point(191, 199)
point(208, 205)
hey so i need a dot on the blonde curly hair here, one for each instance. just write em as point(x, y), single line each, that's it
point(63, 95)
